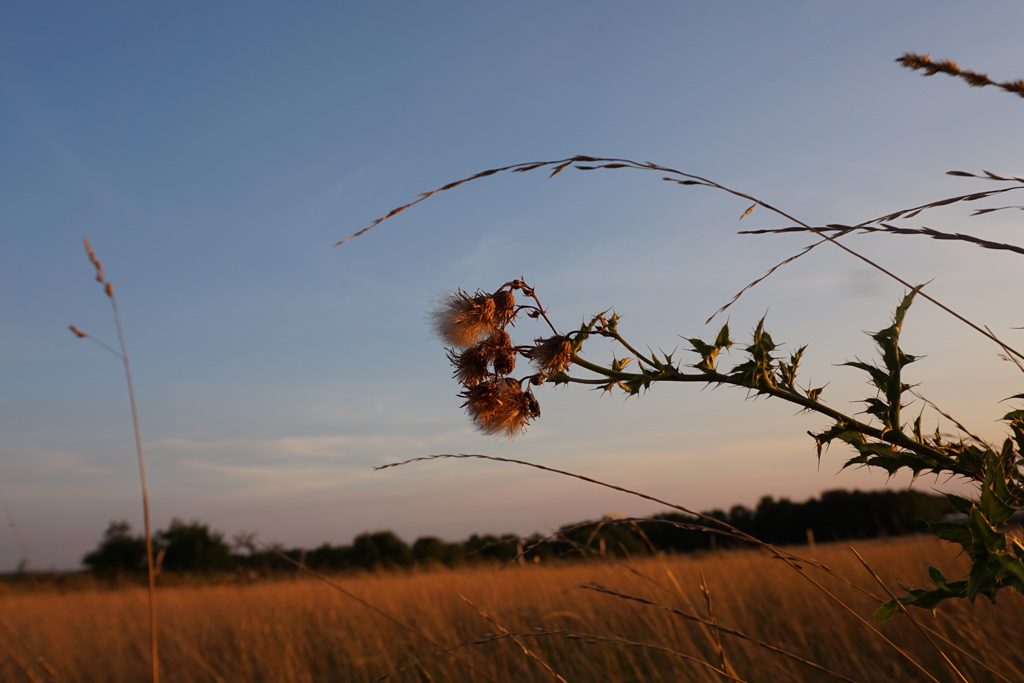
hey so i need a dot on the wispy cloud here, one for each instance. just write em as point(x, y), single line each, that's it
point(50, 461)
point(361, 449)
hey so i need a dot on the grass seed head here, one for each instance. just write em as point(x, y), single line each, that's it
point(94, 260)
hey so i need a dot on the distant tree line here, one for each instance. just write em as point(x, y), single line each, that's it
point(193, 547)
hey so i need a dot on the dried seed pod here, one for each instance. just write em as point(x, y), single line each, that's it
point(475, 364)
point(551, 355)
point(504, 361)
point(464, 318)
point(470, 365)
point(504, 307)
point(500, 352)
point(500, 406)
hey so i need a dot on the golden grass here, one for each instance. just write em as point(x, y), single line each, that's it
point(303, 630)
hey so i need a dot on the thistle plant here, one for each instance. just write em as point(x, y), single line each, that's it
point(476, 328)
point(499, 404)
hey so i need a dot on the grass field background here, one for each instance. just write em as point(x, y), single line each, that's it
point(305, 630)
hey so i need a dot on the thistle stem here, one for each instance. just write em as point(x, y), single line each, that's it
point(629, 347)
point(672, 375)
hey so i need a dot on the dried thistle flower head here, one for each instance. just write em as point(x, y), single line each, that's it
point(551, 355)
point(500, 406)
point(504, 360)
point(464, 318)
point(504, 307)
point(500, 352)
point(472, 365)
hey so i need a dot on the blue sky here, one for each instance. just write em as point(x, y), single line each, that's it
point(213, 155)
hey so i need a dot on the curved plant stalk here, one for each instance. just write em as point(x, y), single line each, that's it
point(527, 652)
point(786, 558)
point(108, 290)
point(593, 163)
point(568, 635)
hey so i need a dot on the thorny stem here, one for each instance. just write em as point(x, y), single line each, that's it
point(629, 347)
point(671, 375)
point(579, 380)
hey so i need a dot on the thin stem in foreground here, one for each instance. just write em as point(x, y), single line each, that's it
point(150, 567)
point(569, 635)
point(787, 558)
point(718, 628)
point(108, 290)
point(590, 163)
point(942, 653)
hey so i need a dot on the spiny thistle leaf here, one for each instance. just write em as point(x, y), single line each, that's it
point(925, 599)
point(758, 372)
point(722, 341)
point(953, 532)
point(887, 379)
point(787, 371)
point(959, 503)
point(709, 352)
point(878, 376)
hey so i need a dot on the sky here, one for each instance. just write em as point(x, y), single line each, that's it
point(214, 153)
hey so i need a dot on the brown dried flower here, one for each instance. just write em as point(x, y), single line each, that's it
point(75, 330)
point(472, 365)
point(464, 318)
point(500, 406)
point(504, 360)
point(504, 307)
point(551, 355)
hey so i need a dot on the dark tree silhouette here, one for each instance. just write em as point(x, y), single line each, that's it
point(119, 554)
point(193, 547)
point(381, 549)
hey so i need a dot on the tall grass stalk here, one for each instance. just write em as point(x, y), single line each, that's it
point(108, 290)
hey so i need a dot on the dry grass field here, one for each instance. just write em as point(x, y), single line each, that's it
point(306, 630)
